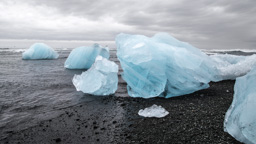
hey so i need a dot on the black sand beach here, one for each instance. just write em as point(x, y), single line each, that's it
point(194, 118)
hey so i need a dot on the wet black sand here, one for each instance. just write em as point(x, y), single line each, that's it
point(194, 118)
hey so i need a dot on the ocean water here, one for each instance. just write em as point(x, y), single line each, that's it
point(247, 52)
point(36, 90)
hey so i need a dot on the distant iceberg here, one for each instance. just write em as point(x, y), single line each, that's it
point(100, 79)
point(240, 119)
point(153, 111)
point(39, 51)
point(162, 66)
point(84, 57)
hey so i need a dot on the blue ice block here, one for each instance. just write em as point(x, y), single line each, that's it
point(83, 57)
point(100, 79)
point(240, 119)
point(162, 66)
point(39, 51)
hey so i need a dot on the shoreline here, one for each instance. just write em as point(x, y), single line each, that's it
point(193, 118)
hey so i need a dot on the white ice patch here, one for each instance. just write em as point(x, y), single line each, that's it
point(231, 66)
point(153, 111)
point(138, 45)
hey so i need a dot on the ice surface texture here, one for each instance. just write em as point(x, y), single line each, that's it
point(162, 66)
point(39, 51)
point(100, 79)
point(231, 66)
point(240, 119)
point(153, 111)
point(84, 57)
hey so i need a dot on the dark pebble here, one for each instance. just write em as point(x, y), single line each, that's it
point(58, 140)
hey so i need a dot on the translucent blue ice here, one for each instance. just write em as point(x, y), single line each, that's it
point(39, 51)
point(100, 79)
point(240, 119)
point(84, 57)
point(162, 66)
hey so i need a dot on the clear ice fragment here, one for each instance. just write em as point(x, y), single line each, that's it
point(153, 111)
point(100, 79)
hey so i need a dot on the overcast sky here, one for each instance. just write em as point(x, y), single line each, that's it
point(206, 24)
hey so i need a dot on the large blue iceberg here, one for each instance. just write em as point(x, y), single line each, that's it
point(163, 66)
point(100, 79)
point(240, 119)
point(83, 57)
point(39, 51)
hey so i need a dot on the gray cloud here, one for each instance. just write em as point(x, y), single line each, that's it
point(206, 24)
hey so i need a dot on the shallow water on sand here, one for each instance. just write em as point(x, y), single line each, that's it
point(35, 90)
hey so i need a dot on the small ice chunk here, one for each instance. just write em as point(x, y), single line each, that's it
point(153, 111)
point(227, 91)
point(83, 57)
point(240, 119)
point(100, 79)
point(40, 51)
